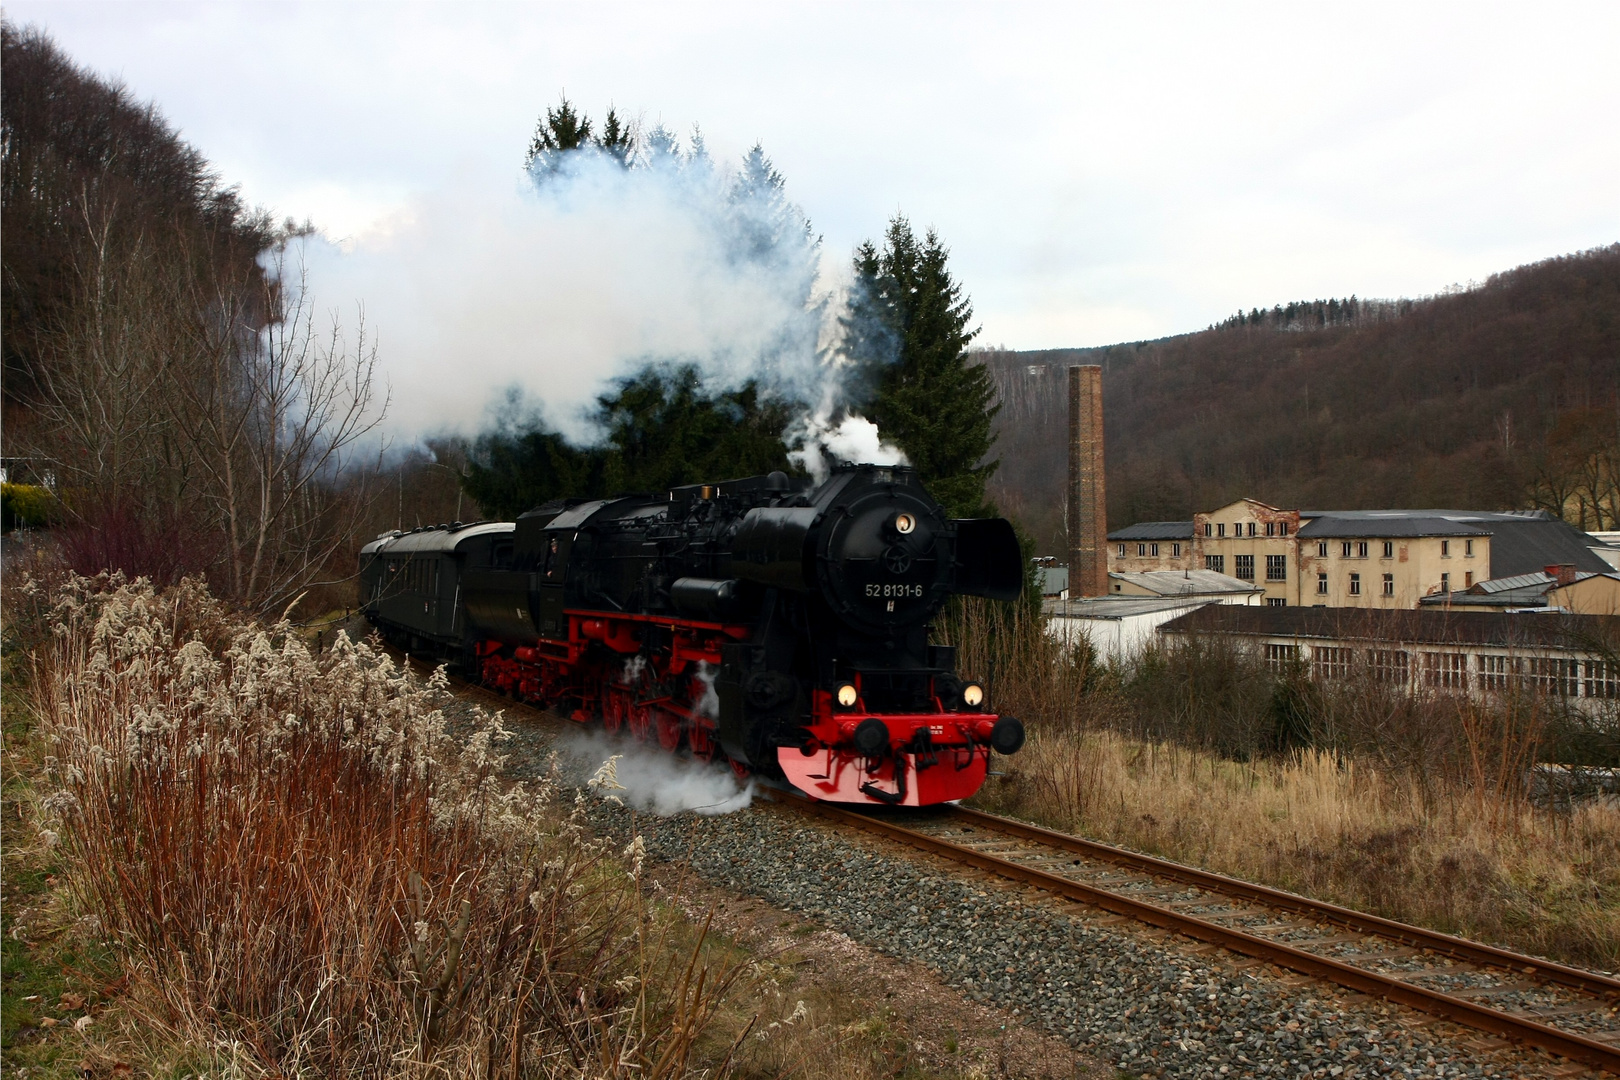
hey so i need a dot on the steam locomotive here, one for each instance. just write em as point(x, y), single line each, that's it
point(780, 624)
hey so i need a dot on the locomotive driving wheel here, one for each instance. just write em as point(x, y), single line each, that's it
point(669, 730)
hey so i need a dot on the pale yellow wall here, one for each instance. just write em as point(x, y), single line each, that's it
point(1593, 596)
point(1166, 559)
point(1417, 564)
point(1225, 526)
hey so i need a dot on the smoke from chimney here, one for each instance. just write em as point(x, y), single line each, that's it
point(1088, 503)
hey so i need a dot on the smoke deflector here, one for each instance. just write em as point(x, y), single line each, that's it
point(988, 560)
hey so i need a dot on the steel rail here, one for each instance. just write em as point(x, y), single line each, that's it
point(1566, 1044)
point(1456, 947)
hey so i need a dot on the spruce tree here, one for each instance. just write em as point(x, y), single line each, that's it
point(907, 333)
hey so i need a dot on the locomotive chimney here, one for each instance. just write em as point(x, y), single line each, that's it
point(1088, 504)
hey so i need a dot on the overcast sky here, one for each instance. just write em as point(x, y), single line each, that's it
point(1100, 172)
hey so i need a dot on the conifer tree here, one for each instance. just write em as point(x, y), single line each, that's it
point(907, 332)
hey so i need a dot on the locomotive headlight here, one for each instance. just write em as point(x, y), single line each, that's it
point(847, 695)
point(973, 695)
point(904, 523)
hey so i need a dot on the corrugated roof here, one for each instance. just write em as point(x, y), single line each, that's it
point(1117, 607)
point(1423, 625)
point(1186, 582)
point(1540, 579)
point(1154, 530)
point(1333, 525)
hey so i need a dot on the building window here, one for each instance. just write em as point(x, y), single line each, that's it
point(1361, 549)
point(1207, 528)
point(1141, 549)
point(1602, 679)
point(1389, 584)
point(1344, 550)
point(1281, 657)
point(1271, 528)
point(1468, 579)
point(1468, 549)
point(1276, 601)
point(1388, 665)
point(1321, 584)
point(1553, 675)
point(1445, 583)
point(1216, 563)
point(1445, 670)
point(1494, 672)
point(1276, 568)
point(1153, 549)
point(1355, 584)
point(1175, 550)
point(1389, 549)
point(1251, 528)
point(1321, 549)
point(1445, 549)
point(1122, 551)
point(1331, 663)
point(1220, 530)
point(1282, 528)
point(1245, 567)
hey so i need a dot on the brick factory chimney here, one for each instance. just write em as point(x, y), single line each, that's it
point(1088, 504)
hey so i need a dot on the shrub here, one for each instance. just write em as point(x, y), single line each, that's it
point(291, 856)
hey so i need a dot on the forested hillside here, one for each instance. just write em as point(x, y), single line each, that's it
point(1505, 395)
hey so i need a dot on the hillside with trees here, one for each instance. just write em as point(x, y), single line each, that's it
point(1504, 395)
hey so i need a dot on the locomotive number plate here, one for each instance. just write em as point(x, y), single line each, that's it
point(882, 591)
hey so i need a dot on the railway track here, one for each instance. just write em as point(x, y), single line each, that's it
point(1563, 1010)
point(1566, 1011)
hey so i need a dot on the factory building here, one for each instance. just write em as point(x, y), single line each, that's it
point(1393, 559)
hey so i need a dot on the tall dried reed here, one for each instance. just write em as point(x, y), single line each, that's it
point(1411, 805)
point(292, 856)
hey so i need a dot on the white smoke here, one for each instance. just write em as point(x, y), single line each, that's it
point(821, 443)
point(654, 781)
point(537, 295)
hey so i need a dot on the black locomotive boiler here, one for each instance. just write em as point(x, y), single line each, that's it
point(781, 625)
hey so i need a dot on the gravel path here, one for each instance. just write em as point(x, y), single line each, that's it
point(1150, 1003)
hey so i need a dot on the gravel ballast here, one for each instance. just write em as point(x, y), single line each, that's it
point(1149, 1003)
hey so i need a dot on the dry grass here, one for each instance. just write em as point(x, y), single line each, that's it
point(295, 868)
point(1405, 806)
